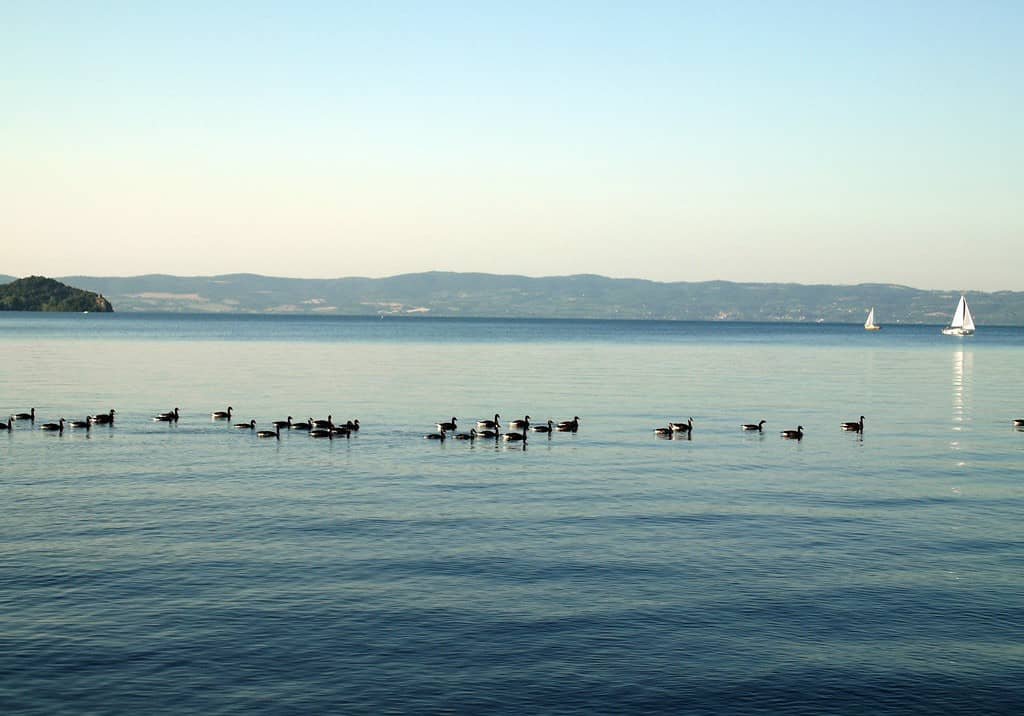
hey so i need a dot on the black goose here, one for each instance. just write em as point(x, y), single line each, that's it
point(1018, 422)
point(30, 416)
point(447, 426)
point(251, 425)
point(569, 426)
point(329, 423)
point(797, 434)
point(283, 423)
point(664, 432)
point(87, 424)
point(58, 426)
point(543, 427)
point(275, 433)
point(490, 424)
point(488, 434)
point(171, 417)
point(222, 414)
point(7, 425)
point(352, 425)
point(516, 437)
point(302, 426)
point(321, 433)
point(520, 424)
point(759, 427)
point(342, 430)
point(686, 427)
point(471, 435)
point(103, 418)
point(436, 436)
point(854, 427)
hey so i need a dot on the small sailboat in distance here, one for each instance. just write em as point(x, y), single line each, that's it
point(962, 323)
point(870, 325)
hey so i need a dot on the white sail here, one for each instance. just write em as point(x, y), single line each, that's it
point(963, 322)
point(870, 323)
point(968, 320)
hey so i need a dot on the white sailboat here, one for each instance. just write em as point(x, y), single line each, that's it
point(962, 323)
point(870, 325)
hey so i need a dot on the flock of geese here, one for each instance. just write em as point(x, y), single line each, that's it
point(484, 430)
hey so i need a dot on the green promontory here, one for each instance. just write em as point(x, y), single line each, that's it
point(38, 293)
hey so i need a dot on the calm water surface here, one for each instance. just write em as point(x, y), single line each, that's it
point(154, 568)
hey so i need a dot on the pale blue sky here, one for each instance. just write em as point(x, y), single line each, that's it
point(818, 142)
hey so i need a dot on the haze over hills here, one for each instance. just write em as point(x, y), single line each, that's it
point(580, 296)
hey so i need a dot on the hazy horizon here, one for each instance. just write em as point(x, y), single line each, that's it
point(780, 142)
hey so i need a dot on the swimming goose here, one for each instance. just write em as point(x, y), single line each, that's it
point(471, 435)
point(520, 424)
point(329, 423)
point(759, 427)
point(543, 428)
point(283, 423)
point(1018, 422)
point(275, 433)
point(222, 414)
point(302, 426)
point(103, 418)
point(171, 417)
point(7, 425)
point(251, 425)
point(854, 427)
point(436, 436)
point(53, 426)
point(87, 424)
point(488, 434)
point(26, 416)
point(664, 432)
point(447, 426)
point(682, 427)
point(797, 434)
point(489, 424)
point(516, 437)
point(321, 433)
point(569, 426)
point(341, 430)
point(352, 425)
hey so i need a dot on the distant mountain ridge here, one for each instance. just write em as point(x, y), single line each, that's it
point(438, 293)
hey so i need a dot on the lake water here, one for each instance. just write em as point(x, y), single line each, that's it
point(155, 568)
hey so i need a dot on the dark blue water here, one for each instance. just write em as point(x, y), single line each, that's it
point(154, 568)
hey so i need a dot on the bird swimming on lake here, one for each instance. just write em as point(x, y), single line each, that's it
point(544, 427)
point(436, 436)
point(515, 437)
point(520, 424)
point(682, 427)
point(569, 426)
point(283, 423)
point(490, 424)
point(275, 433)
point(59, 426)
point(321, 433)
point(471, 435)
point(222, 414)
point(26, 416)
point(1018, 422)
point(87, 424)
point(447, 426)
point(171, 417)
point(302, 426)
point(759, 426)
point(341, 430)
point(488, 434)
point(352, 425)
point(854, 427)
point(797, 434)
point(7, 425)
point(664, 432)
point(103, 418)
point(329, 423)
point(251, 425)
